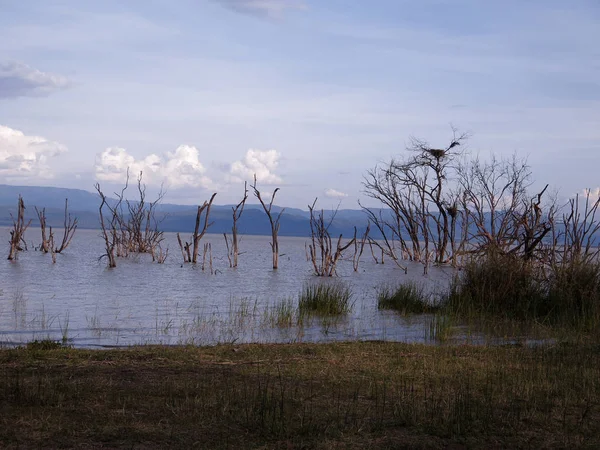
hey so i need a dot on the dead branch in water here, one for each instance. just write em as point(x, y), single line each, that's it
point(189, 253)
point(322, 253)
point(233, 250)
point(44, 246)
point(274, 221)
point(70, 225)
point(359, 246)
point(17, 234)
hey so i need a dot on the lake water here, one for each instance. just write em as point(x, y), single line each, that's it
point(80, 300)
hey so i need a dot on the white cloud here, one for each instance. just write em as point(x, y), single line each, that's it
point(273, 9)
point(181, 168)
point(332, 193)
point(25, 157)
point(19, 80)
point(261, 163)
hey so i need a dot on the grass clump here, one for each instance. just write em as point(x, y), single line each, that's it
point(406, 298)
point(325, 299)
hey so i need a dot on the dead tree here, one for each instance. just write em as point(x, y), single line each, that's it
point(69, 227)
point(207, 251)
point(494, 193)
point(113, 225)
point(416, 192)
point(44, 246)
point(190, 250)
point(107, 230)
point(233, 250)
point(159, 255)
point(391, 232)
point(17, 234)
point(274, 221)
point(323, 255)
point(142, 233)
point(574, 240)
point(51, 245)
point(359, 246)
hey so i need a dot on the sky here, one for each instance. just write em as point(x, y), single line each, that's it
point(200, 95)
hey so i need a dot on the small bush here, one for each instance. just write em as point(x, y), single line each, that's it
point(325, 299)
point(406, 298)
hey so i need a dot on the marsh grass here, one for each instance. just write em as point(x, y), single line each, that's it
point(283, 314)
point(440, 328)
point(349, 395)
point(325, 299)
point(19, 307)
point(406, 298)
point(573, 295)
point(510, 288)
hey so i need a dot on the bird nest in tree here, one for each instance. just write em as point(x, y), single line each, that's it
point(436, 153)
point(452, 210)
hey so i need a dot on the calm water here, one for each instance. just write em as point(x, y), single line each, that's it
point(138, 302)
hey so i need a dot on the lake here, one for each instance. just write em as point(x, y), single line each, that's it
point(81, 301)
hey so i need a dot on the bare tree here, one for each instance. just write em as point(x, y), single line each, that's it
point(359, 246)
point(142, 233)
point(502, 217)
point(113, 226)
point(70, 225)
point(17, 234)
point(421, 210)
point(273, 220)
point(189, 250)
point(207, 252)
point(44, 246)
point(51, 245)
point(574, 239)
point(128, 226)
point(323, 255)
point(233, 250)
point(160, 255)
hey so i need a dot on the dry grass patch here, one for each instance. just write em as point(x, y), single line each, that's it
point(349, 395)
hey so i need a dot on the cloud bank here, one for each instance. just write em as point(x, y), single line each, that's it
point(20, 80)
point(181, 168)
point(25, 158)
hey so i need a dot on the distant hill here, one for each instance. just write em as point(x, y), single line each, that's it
point(84, 205)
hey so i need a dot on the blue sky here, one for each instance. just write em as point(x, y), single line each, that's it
point(201, 94)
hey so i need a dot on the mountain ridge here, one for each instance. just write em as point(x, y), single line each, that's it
point(84, 205)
